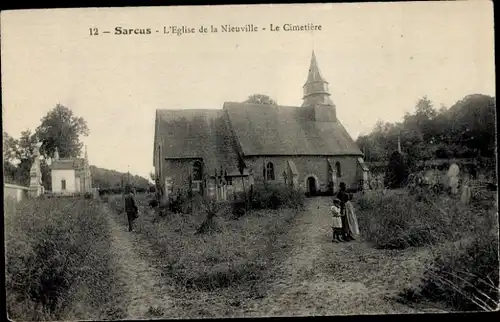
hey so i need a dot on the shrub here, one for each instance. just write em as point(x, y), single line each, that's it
point(50, 262)
point(276, 196)
point(464, 275)
point(239, 208)
point(211, 208)
point(403, 220)
point(463, 239)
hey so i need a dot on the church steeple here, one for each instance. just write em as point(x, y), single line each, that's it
point(316, 87)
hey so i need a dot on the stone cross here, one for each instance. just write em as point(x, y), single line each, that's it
point(36, 187)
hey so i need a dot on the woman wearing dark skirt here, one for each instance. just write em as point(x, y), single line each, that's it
point(344, 198)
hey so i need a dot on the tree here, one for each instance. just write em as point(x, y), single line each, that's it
point(26, 146)
point(24, 152)
point(46, 175)
point(62, 129)
point(465, 130)
point(397, 171)
point(10, 146)
point(260, 99)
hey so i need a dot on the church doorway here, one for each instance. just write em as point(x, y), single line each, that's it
point(311, 186)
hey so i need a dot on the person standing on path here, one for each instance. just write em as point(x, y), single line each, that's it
point(131, 208)
point(337, 222)
point(344, 197)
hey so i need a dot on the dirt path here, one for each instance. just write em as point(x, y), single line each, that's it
point(146, 295)
point(316, 277)
point(324, 278)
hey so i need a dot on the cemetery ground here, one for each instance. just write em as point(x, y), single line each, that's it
point(75, 259)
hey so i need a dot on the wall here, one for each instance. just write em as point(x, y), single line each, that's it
point(179, 170)
point(307, 165)
point(69, 176)
point(15, 192)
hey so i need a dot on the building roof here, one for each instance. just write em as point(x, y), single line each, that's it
point(68, 164)
point(197, 134)
point(282, 130)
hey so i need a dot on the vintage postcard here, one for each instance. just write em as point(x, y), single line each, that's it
point(249, 160)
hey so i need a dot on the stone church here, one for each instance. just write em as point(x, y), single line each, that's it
point(213, 151)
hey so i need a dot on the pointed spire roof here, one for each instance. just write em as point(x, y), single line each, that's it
point(314, 72)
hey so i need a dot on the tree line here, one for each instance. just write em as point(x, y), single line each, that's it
point(60, 128)
point(465, 130)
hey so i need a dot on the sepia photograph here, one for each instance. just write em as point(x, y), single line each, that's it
point(273, 160)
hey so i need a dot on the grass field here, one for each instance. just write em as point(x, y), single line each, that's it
point(60, 256)
point(58, 261)
point(233, 256)
point(461, 240)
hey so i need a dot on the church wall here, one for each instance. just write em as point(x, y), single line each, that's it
point(177, 171)
point(307, 165)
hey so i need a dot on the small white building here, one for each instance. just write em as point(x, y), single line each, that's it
point(71, 176)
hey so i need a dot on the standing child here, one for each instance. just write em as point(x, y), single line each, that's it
point(337, 223)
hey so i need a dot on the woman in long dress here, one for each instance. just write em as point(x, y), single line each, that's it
point(349, 220)
point(352, 221)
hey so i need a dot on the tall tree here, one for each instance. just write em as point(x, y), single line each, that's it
point(62, 129)
point(260, 99)
point(9, 155)
point(9, 148)
point(25, 153)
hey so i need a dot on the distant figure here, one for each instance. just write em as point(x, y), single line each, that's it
point(337, 222)
point(131, 208)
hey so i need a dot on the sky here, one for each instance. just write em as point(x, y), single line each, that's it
point(379, 59)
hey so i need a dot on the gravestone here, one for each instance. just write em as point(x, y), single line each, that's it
point(466, 194)
point(452, 174)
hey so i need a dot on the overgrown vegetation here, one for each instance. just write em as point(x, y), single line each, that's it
point(53, 272)
point(276, 196)
point(197, 256)
point(463, 240)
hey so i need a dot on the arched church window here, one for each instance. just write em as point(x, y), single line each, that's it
point(270, 171)
point(337, 169)
point(197, 173)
